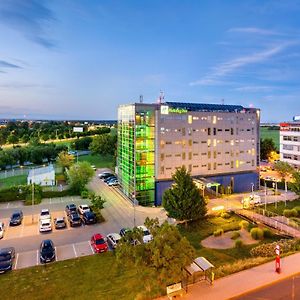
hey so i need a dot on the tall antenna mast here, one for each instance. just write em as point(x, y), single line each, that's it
point(223, 101)
point(161, 97)
point(141, 99)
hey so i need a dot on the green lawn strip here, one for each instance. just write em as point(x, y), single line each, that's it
point(96, 276)
point(281, 206)
point(265, 133)
point(13, 180)
point(99, 161)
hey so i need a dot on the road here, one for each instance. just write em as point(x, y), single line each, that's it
point(287, 289)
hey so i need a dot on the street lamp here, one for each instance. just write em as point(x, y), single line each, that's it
point(133, 197)
point(252, 189)
point(32, 194)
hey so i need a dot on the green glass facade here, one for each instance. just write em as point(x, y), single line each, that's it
point(136, 149)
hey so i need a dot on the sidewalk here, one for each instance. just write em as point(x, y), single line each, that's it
point(244, 281)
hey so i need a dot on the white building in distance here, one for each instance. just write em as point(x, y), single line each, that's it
point(44, 176)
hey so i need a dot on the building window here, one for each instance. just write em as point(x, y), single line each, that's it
point(215, 154)
point(190, 155)
point(208, 131)
point(162, 156)
point(183, 131)
point(190, 142)
point(209, 166)
point(190, 119)
point(215, 131)
point(215, 165)
point(190, 168)
point(162, 170)
point(208, 154)
point(231, 131)
point(183, 155)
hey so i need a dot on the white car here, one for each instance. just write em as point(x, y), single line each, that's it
point(113, 239)
point(1, 230)
point(45, 214)
point(82, 208)
point(45, 225)
point(113, 183)
point(148, 237)
point(251, 200)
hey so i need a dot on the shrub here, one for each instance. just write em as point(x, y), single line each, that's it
point(218, 232)
point(267, 233)
point(268, 250)
point(225, 215)
point(244, 224)
point(37, 199)
point(297, 208)
point(84, 194)
point(238, 243)
point(235, 235)
point(290, 213)
point(257, 233)
point(98, 214)
point(55, 194)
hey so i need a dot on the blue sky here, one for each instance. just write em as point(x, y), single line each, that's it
point(72, 59)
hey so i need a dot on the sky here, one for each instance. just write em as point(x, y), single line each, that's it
point(78, 59)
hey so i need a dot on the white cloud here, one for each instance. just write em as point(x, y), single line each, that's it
point(237, 63)
point(253, 88)
point(254, 30)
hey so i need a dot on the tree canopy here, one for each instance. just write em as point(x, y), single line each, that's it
point(183, 201)
point(295, 184)
point(266, 147)
point(104, 144)
point(79, 175)
point(168, 253)
point(283, 169)
point(65, 160)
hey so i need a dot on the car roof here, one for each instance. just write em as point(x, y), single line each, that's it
point(7, 250)
point(84, 205)
point(116, 236)
point(47, 242)
point(88, 213)
point(44, 221)
point(17, 212)
point(60, 219)
point(143, 227)
point(97, 236)
point(72, 204)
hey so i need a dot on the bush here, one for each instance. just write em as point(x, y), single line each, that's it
point(37, 199)
point(56, 194)
point(238, 243)
point(84, 194)
point(244, 224)
point(235, 235)
point(290, 213)
point(297, 208)
point(225, 215)
point(257, 233)
point(218, 232)
point(98, 214)
point(267, 233)
point(268, 250)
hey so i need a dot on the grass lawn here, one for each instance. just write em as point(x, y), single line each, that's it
point(92, 277)
point(197, 231)
point(99, 161)
point(281, 206)
point(11, 181)
point(265, 133)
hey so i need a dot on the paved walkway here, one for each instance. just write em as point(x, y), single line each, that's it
point(244, 281)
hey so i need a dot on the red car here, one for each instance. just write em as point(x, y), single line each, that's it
point(99, 243)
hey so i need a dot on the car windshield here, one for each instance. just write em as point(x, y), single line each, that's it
point(146, 232)
point(47, 246)
point(43, 213)
point(75, 217)
point(5, 257)
point(100, 242)
point(60, 221)
point(45, 224)
point(16, 215)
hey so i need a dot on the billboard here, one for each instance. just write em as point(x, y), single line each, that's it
point(77, 129)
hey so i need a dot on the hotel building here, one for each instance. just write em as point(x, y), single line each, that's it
point(217, 142)
point(290, 143)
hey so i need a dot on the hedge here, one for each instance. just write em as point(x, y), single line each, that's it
point(257, 233)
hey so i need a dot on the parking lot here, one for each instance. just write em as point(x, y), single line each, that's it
point(30, 226)
point(31, 258)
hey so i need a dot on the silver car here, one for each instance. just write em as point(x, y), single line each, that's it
point(113, 239)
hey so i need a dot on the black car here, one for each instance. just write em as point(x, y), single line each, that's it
point(106, 180)
point(105, 175)
point(71, 208)
point(89, 217)
point(16, 218)
point(7, 257)
point(47, 251)
point(74, 219)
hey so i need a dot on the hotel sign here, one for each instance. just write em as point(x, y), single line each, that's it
point(165, 110)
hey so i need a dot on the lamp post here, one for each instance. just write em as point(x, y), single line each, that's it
point(252, 189)
point(265, 195)
point(133, 197)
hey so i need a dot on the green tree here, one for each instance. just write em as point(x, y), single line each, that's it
point(104, 144)
point(12, 139)
point(295, 185)
point(266, 147)
point(183, 201)
point(283, 169)
point(65, 160)
point(97, 201)
point(79, 175)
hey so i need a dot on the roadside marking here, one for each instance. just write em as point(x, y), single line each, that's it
point(91, 247)
point(7, 205)
point(74, 250)
point(50, 201)
point(37, 257)
point(16, 261)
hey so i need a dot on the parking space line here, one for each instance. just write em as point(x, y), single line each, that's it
point(37, 257)
point(17, 256)
point(74, 250)
point(91, 247)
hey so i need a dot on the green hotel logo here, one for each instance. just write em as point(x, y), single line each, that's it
point(178, 110)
